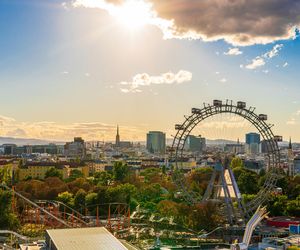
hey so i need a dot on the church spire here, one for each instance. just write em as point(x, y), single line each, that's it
point(118, 137)
point(290, 143)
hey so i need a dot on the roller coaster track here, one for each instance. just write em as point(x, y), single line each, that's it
point(75, 214)
point(63, 222)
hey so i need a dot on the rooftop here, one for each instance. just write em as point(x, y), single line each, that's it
point(84, 238)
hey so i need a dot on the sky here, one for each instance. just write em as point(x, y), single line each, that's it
point(80, 67)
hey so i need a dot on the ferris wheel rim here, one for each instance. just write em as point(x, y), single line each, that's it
point(258, 121)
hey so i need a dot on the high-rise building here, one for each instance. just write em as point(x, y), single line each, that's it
point(156, 142)
point(75, 149)
point(296, 169)
point(252, 138)
point(195, 144)
point(117, 137)
point(252, 143)
point(291, 161)
point(9, 149)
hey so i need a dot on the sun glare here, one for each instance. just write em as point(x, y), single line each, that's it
point(134, 13)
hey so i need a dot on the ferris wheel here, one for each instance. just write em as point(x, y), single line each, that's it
point(224, 173)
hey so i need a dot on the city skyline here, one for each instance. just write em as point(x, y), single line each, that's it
point(80, 67)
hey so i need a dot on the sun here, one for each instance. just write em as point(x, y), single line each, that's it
point(134, 13)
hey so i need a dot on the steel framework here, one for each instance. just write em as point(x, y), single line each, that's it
point(259, 121)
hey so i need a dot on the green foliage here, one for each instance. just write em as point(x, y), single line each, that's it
point(199, 179)
point(79, 199)
point(293, 207)
point(236, 162)
point(150, 193)
point(75, 174)
point(66, 198)
point(103, 178)
point(204, 216)
point(37, 189)
point(151, 175)
point(91, 199)
point(120, 171)
point(33, 230)
point(238, 171)
point(121, 193)
point(262, 172)
point(6, 174)
point(248, 197)
point(248, 182)
point(277, 205)
point(7, 219)
point(163, 169)
point(53, 172)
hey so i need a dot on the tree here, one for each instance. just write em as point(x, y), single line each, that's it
point(66, 198)
point(248, 183)
point(277, 205)
point(152, 175)
point(75, 174)
point(150, 193)
point(6, 174)
point(236, 162)
point(103, 178)
point(91, 199)
point(168, 208)
point(163, 169)
point(53, 172)
point(79, 199)
point(7, 219)
point(293, 207)
point(121, 193)
point(120, 171)
point(204, 216)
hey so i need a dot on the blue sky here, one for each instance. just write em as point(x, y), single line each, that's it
point(63, 70)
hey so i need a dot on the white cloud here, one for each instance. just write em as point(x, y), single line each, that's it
point(260, 61)
point(266, 71)
point(223, 80)
point(233, 52)
point(67, 131)
point(285, 64)
point(144, 79)
point(65, 5)
point(256, 63)
point(87, 74)
point(65, 72)
point(294, 119)
point(237, 22)
point(274, 51)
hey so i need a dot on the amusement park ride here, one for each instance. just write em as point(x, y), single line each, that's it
point(226, 190)
point(55, 214)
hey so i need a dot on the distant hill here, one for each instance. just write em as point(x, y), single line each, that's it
point(209, 142)
point(220, 142)
point(25, 141)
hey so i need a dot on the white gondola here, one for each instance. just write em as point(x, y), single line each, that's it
point(263, 117)
point(217, 103)
point(179, 127)
point(196, 111)
point(241, 105)
point(278, 138)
